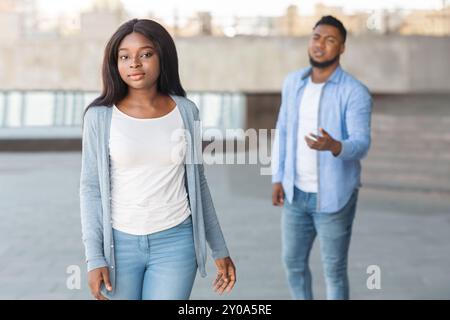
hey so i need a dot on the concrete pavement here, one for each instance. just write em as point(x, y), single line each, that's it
point(402, 223)
point(405, 233)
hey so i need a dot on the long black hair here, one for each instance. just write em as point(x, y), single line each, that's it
point(114, 88)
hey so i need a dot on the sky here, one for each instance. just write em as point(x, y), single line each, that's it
point(235, 7)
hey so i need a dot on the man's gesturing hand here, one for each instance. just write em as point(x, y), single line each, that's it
point(324, 143)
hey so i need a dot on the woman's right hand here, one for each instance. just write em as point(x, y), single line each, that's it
point(95, 279)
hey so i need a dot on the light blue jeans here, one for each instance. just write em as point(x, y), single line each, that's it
point(300, 224)
point(158, 266)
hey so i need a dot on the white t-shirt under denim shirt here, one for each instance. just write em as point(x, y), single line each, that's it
point(306, 163)
point(148, 193)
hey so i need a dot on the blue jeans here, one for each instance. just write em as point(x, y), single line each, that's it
point(300, 224)
point(158, 266)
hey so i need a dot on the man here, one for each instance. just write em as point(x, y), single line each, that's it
point(323, 131)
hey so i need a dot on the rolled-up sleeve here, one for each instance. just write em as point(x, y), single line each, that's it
point(358, 123)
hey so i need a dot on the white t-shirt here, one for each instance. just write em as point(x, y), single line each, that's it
point(148, 193)
point(306, 164)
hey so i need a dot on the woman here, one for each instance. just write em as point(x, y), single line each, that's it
point(146, 209)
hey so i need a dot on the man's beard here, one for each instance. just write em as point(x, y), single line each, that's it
point(323, 65)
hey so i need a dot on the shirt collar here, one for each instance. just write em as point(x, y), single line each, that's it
point(334, 78)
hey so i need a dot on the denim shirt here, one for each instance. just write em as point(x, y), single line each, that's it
point(345, 109)
point(95, 192)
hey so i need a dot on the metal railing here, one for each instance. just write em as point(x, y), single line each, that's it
point(55, 108)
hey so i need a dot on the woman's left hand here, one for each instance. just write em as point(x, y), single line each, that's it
point(226, 275)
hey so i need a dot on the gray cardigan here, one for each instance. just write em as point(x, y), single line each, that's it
point(95, 190)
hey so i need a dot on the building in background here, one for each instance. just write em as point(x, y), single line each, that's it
point(427, 22)
point(111, 13)
point(21, 18)
point(243, 55)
